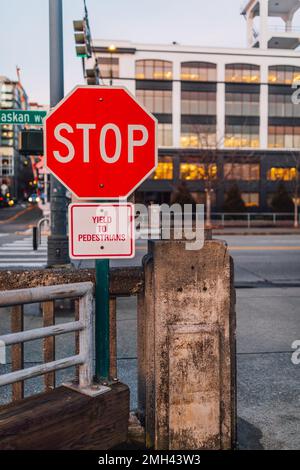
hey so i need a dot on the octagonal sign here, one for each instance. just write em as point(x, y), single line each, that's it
point(100, 142)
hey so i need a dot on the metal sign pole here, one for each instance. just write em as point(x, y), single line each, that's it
point(102, 337)
point(58, 240)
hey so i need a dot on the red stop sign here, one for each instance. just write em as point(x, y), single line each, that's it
point(100, 143)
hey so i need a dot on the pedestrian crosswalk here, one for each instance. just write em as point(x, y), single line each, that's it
point(20, 253)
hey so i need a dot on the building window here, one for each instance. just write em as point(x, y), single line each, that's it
point(282, 106)
point(198, 102)
point(284, 74)
point(282, 174)
point(164, 170)
point(242, 104)
point(251, 199)
point(153, 70)
point(242, 171)
point(284, 137)
point(165, 137)
point(156, 101)
point(109, 67)
point(242, 73)
point(198, 171)
point(198, 135)
point(237, 136)
point(6, 165)
point(199, 71)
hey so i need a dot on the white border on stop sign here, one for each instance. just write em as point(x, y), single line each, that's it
point(97, 198)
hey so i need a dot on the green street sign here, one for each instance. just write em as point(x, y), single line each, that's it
point(21, 117)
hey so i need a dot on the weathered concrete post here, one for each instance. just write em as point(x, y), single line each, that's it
point(187, 347)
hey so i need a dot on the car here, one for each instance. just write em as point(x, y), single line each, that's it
point(34, 198)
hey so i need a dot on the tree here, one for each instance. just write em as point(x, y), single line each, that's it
point(296, 158)
point(181, 195)
point(282, 201)
point(210, 149)
point(234, 201)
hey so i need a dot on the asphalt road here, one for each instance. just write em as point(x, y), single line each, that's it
point(259, 260)
point(18, 218)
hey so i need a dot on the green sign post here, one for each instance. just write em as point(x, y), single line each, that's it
point(21, 117)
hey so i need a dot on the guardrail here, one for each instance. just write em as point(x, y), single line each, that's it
point(222, 219)
point(82, 291)
point(254, 219)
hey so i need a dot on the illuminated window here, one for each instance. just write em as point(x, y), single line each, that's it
point(165, 137)
point(251, 199)
point(284, 74)
point(109, 67)
point(284, 137)
point(198, 135)
point(164, 170)
point(153, 70)
point(198, 171)
point(282, 174)
point(242, 171)
point(242, 104)
point(156, 101)
point(242, 73)
point(199, 71)
point(198, 102)
point(238, 136)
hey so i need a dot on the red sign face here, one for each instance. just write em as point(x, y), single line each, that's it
point(100, 143)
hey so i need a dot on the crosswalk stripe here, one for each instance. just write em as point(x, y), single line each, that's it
point(22, 259)
point(21, 249)
point(20, 253)
point(27, 265)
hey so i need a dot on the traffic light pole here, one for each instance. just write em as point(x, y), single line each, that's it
point(58, 253)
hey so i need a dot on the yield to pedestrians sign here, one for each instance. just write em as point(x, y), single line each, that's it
point(101, 231)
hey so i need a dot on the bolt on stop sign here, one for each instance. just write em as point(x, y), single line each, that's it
point(100, 142)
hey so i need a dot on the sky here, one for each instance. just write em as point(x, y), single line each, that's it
point(24, 32)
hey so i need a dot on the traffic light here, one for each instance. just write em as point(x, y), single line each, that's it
point(31, 142)
point(92, 76)
point(82, 38)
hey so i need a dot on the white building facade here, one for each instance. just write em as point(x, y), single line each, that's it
point(229, 115)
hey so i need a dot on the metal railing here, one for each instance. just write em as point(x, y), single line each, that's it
point(82, 326)
point(254, 219)
point(147, 229)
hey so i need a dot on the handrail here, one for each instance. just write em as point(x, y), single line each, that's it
point(83, 291)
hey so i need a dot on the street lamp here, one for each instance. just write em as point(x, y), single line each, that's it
point(112, 48)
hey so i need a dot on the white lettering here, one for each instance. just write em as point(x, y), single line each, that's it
point(67, 158)
point(86, 141)
point(114, 158)
point(135, 143)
